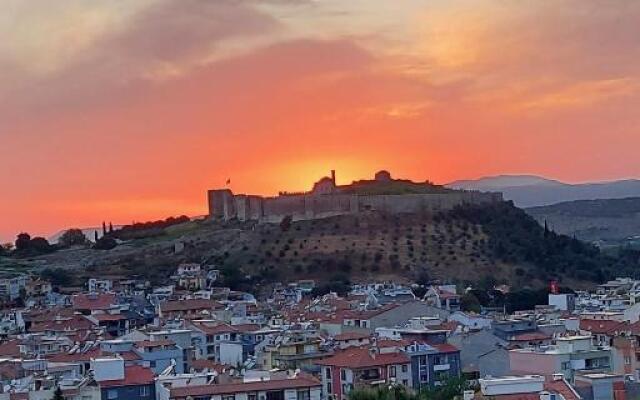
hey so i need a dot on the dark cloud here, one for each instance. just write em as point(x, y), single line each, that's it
point(168, 37)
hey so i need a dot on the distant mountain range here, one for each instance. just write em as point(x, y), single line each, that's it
point(531, 191)
point(610, 221)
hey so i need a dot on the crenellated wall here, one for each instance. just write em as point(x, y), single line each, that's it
point(224, 205)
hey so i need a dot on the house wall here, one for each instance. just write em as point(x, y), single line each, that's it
point(289, 394)
point(230, 353)
point(160, 359)
point(129, 392)
point(452, 360)
point(535, 363)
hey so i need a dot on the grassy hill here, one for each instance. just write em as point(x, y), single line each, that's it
point(469, 245)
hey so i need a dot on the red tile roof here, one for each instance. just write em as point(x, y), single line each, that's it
point(88, 355)
point(301, 381)
point(72, 323)
point(10, 348)
point(134, 375)
point(200, 365)
point(246, 327)
point(189, 305)
point(558, 387)
point(445, 348)
point(108, 317)
point(102, 301)
point(602, 327)
point(214, 328)
point(155, 343)
point(562, 387)
point(49, 314)
point(362, 357)
point(392, 343)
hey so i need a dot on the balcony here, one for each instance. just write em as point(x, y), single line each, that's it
point(442, 367)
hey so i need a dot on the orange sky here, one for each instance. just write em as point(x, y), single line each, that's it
point(131, 109)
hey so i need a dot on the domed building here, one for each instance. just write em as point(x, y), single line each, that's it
point(326, 185)
point(383, 176)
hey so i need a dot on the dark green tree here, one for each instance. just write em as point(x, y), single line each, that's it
point(57, 276)
point(105, 243)
point(23, 241)
point(469, 302)
point(72, 237)
point(40, 245)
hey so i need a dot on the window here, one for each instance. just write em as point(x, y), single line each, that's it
point(229, 397)
point(343, 374)
point(392, 371)
point(275, 395)
point(327, 372)
point(405, 382)
point(112, 394)
point(440, 359)
point(144, 391)
point(329, 388)
point(405, 367)
point(252, 396)
point(441, 375)
point(304, 394)
point(627, 360)
point(565, 365)
point(345, 388)
point(152, 364)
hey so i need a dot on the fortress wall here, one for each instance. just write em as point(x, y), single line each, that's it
point(229, 206)
point(241, 203)
point(255, 207)
point(284, 205)
point(218, 200)
point(423, 202)
point(223, 204)
point(332, 204)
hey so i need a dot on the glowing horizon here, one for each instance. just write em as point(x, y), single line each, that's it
point(130, 110)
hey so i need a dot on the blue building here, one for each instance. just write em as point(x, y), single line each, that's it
point(432, 364)
point(119, 382)
point(160, 354)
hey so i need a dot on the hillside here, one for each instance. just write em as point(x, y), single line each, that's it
point(533, 191)
point(608, 221)
point(469, 244)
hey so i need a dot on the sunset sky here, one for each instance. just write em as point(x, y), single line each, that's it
point(123, 110)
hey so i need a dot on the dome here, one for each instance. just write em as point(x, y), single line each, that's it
point(383, 176)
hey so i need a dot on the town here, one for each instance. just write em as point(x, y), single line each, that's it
point(319, 200)
point(124, 339)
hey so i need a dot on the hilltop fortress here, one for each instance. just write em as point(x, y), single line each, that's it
point(327, 199)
